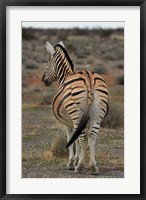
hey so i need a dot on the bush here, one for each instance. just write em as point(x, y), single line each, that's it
point(62, 34)
point(104, 33)
point(119, 66)
point(71, 48)
point(81, 55)
point(115, 117)
point(120, 80)
point(100, 70)
point(46, 97)
point(58, 146)
point(24, 83)
point(110, 56)
point(31, 66)
point(28, 34)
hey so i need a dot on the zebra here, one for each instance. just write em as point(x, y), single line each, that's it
point(80, 103)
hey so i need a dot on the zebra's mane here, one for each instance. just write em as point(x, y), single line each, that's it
point(67, 56)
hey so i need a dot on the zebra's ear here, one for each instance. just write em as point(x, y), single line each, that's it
point(61, 43)
point(50, 48)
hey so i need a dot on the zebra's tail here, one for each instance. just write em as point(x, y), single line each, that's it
point(80, 127)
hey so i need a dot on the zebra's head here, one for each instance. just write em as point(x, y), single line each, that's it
point(50, 74)
point(58, 64)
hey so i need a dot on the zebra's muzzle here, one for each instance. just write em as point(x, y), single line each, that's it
point(46, 80)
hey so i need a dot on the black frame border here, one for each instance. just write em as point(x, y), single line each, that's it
point(3, 5)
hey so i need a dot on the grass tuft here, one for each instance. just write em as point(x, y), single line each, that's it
point(58, 146)
point(115, 117)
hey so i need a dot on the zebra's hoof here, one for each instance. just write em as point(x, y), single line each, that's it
point(94, 170)
point(79, 168)
point(70, 165)
point(75, 163)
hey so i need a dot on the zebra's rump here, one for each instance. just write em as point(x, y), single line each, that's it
point(76, 93)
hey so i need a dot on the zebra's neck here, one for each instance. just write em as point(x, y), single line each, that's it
point(63, 63)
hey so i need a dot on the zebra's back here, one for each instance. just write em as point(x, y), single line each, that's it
point(80, 90)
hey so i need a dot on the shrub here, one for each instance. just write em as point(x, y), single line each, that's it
point(71, 48)
point(79, 62)
point(120, 54)
point(119, 66)
point(81, 55)
point(46, 97)
point(100, 70)
point(115, 117)
point(58, 146)
point(120, 80)
point(62, 34)
point(109, 56)
point(106, 33)
point(28, 34)
point(24, 83)
point(31, 66)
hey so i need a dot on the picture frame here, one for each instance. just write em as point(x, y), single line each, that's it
point(3, 99)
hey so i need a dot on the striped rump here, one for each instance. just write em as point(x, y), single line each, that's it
point(71, 104)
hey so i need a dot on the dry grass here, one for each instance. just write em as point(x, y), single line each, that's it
point(43, 138)
point(44, 141)
point(58, 146)
point(115, 117)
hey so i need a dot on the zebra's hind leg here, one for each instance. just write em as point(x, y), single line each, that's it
point(70, 164)
point(91, 141)
point(81, 163)
point(77, 152)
